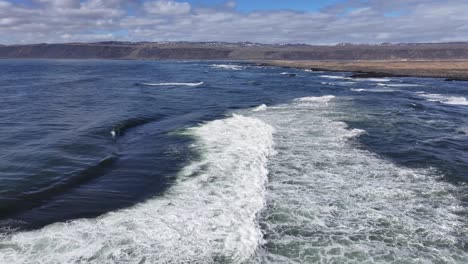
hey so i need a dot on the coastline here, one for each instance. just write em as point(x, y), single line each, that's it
point(451, 70)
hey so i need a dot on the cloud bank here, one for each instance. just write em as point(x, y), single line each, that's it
point(354, 21)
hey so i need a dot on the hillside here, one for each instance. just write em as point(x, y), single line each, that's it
point(236, 51)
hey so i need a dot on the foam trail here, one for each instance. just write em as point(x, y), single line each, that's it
point(208, 216)
point(445, 99)
point(227, 67)
point(329, 201)
point(173, 84)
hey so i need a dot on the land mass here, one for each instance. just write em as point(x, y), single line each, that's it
point(451, 70)
point(447, 60)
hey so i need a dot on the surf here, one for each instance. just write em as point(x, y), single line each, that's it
point(227, 67)
point(208, 215)
point(444, 99)
point(329, 200)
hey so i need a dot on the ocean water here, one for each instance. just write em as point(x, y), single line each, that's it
point(228, 162)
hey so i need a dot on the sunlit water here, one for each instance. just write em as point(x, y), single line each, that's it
point(208, 162)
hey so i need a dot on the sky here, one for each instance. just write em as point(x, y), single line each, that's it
point(262, 21)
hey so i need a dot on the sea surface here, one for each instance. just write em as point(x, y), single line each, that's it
point(228, 162)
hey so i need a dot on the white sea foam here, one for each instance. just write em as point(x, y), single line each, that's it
point(399, 84)
point(329, 201)
point(355, 132)
point(372, 79)
point(445, 99)
point(208, 216)
point(173, 84)
point(374, 90)
point(259, 108)
point(334, 77)
point(338, 83)
point(227, 67)
point(463, 130)
point(358, 90)
point(314, 71)
point(318, 99)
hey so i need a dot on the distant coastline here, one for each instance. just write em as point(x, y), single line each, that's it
point(237, 51)
point(441, 60)
point(451, 70)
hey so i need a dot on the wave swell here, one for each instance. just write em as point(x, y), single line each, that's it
point(33, 198)
point(119, 128)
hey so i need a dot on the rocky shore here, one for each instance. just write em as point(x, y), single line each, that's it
point(451, 70)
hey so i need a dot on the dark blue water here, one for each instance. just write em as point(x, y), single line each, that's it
point(79, 139)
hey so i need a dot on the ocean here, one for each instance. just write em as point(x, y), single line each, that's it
point(108, 161)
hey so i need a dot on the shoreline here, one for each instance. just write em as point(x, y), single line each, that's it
point(451, 70)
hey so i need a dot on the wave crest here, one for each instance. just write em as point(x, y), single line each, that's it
point(208, 215)
point(317, 99)
point(445, 99)
point(227, 67)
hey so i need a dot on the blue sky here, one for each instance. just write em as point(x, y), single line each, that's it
point(263, 21)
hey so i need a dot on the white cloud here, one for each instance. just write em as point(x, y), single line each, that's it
point(61, 3)
point(4, 4)
point(167, 7)
point(164, 20)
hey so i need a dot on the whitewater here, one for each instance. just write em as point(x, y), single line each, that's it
point(277, 184)
point(208, 216)
point(251, 166)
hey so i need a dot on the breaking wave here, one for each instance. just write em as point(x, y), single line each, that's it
point(445, 99)
point(227, 67)
point(335, 77)
point(330, 201)
point(358, 90)
point(259, 108)
point(320, 99)
point(208, 216)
